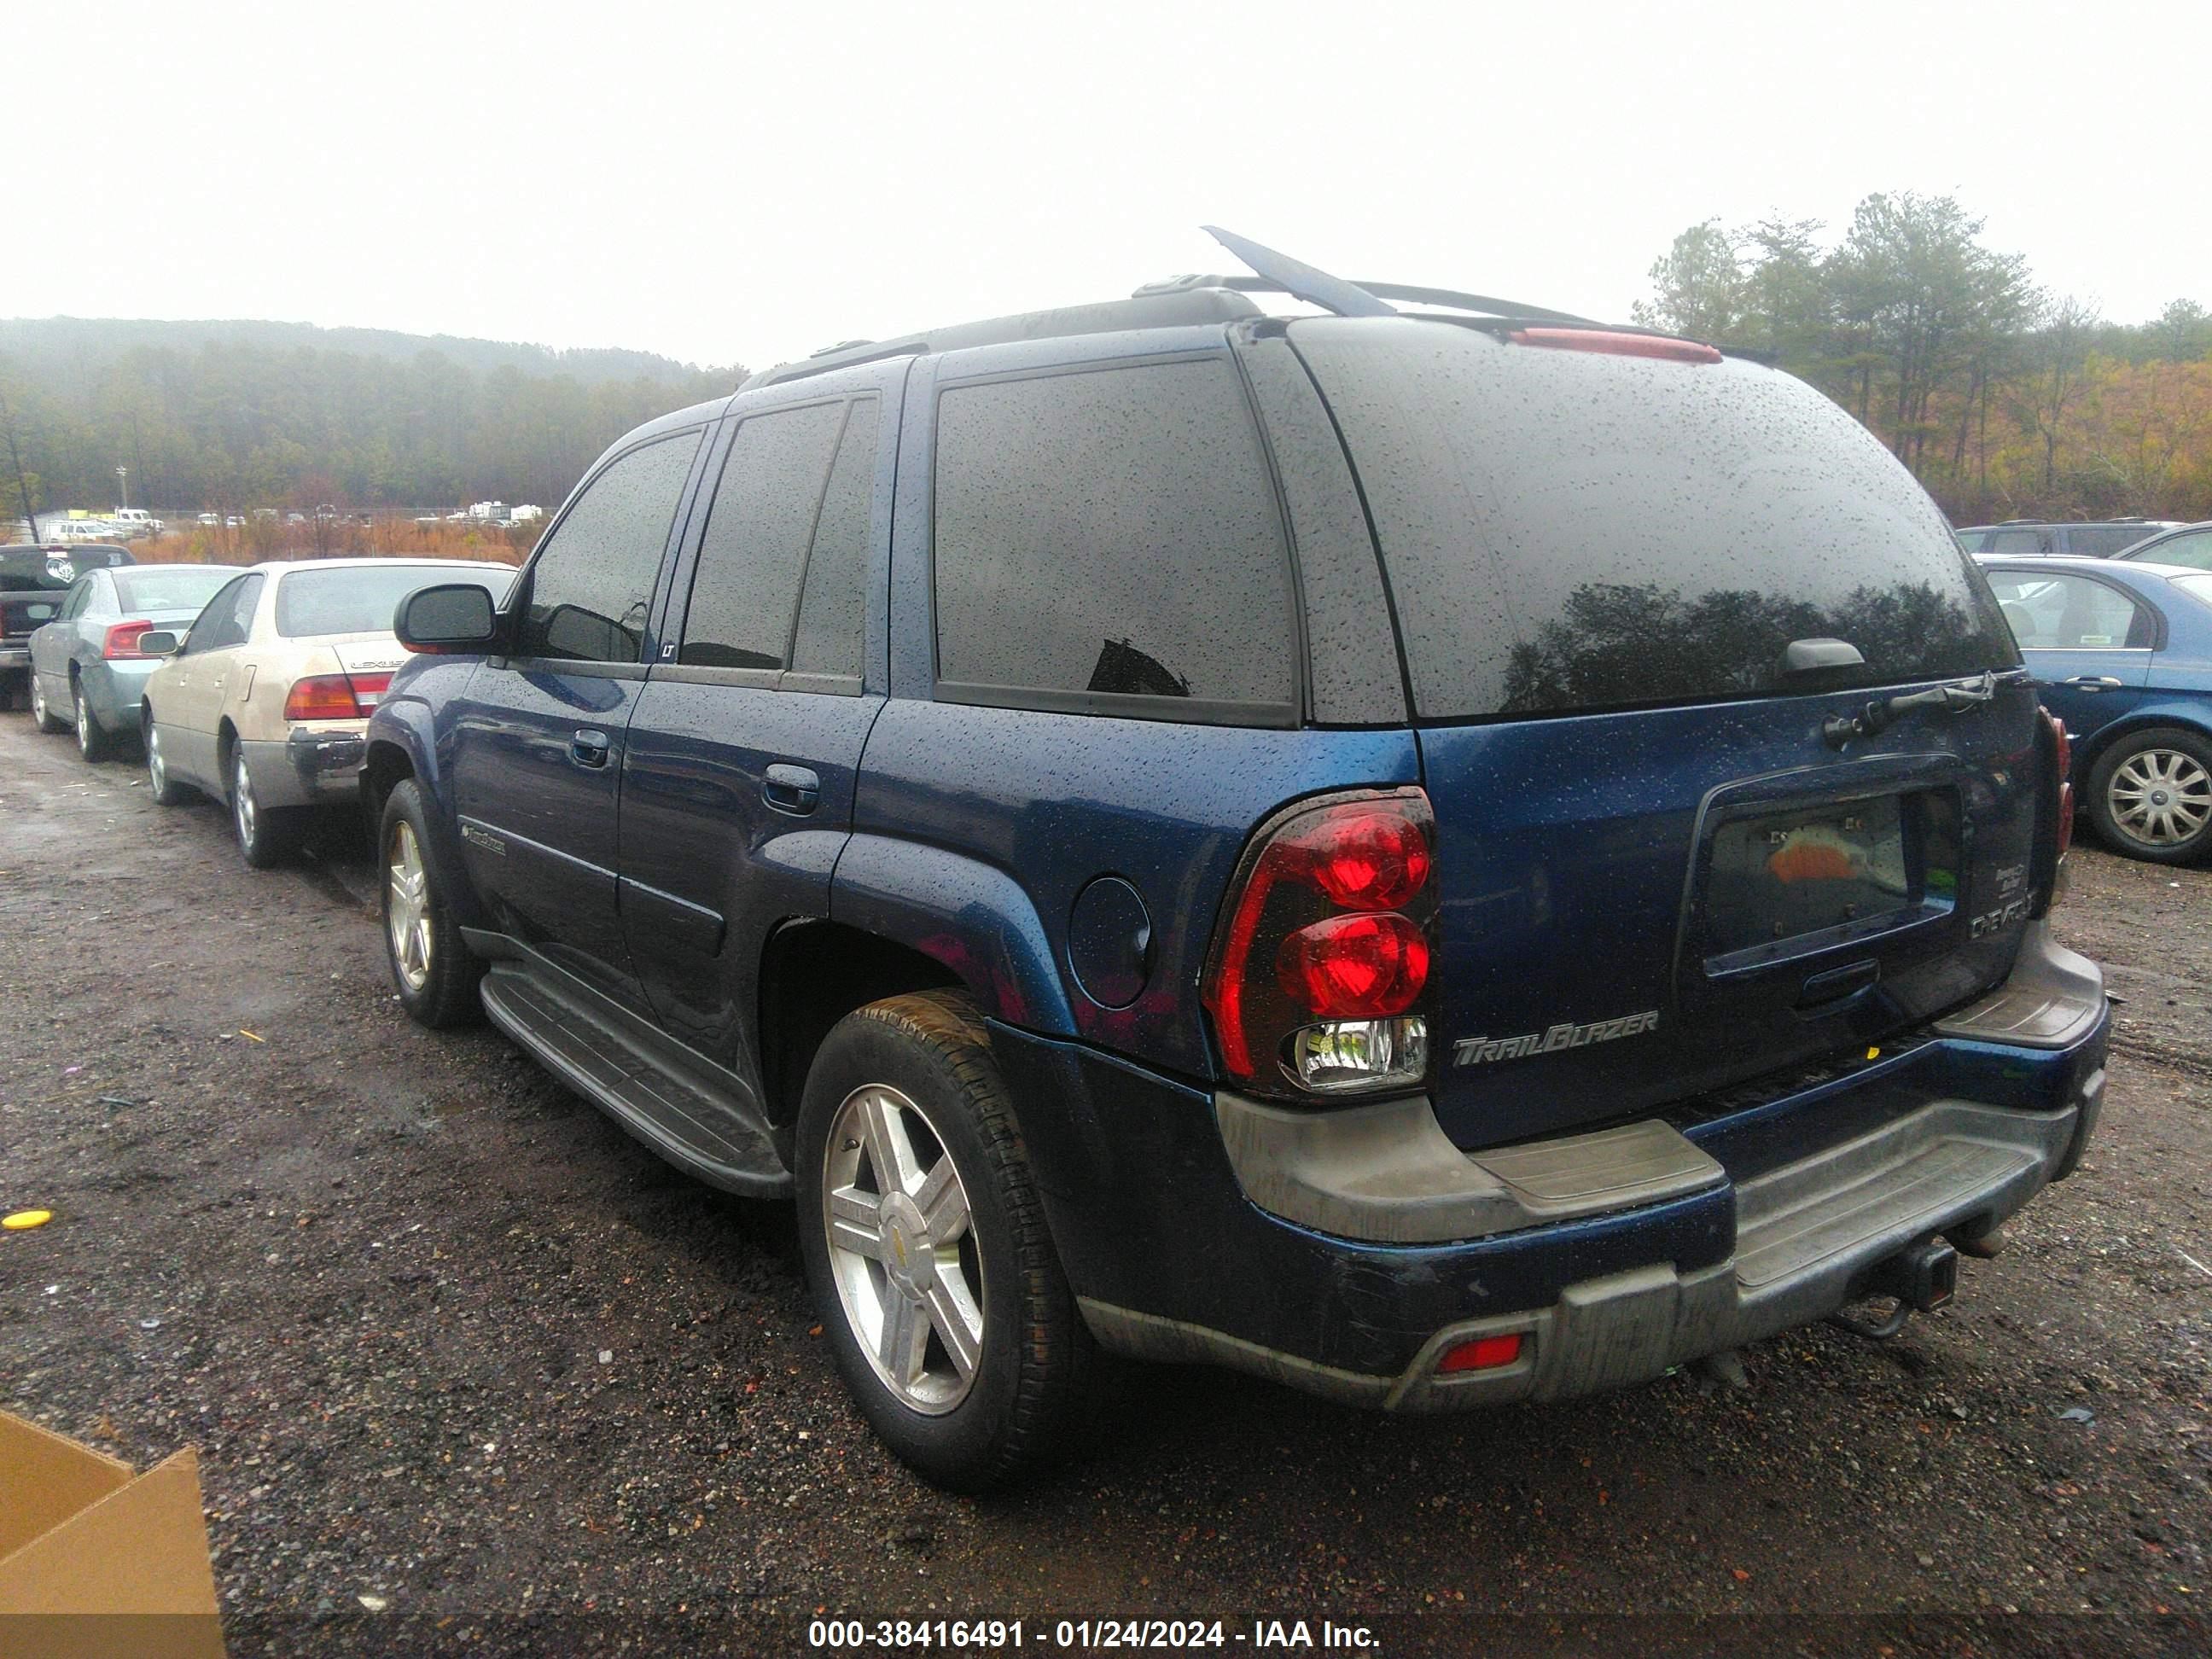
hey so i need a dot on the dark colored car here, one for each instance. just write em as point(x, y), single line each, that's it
point(2188, 545)
point(90, 660)
point(33, 580)
point(1439, 859)
point(2122, 652)
point(2093, 538)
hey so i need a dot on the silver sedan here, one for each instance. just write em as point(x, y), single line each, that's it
point(88, 671)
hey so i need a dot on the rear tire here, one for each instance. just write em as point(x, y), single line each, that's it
point(91, 739)
point(2150, 796)
point(49, 722)
point(266, 835)
point(925, 1241)
point(165, 789)
point(432, 969)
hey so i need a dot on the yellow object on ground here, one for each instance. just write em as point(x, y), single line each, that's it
point(22, 1220)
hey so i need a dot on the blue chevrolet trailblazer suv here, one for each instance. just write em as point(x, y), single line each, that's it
point(1437, 852)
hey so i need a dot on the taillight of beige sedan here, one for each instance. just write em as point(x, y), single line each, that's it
point(262, 703)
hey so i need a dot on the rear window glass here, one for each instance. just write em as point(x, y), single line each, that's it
point(178, 587)
point(1111, 535)
point(1566, 530)
point(2101, 541)
point(361, 599)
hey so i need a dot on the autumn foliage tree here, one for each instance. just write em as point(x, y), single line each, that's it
point(2005, 400)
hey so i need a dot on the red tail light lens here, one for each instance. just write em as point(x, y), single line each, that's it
point(1316, 972)
point(1615, 345)
point(121, 641)
point(322, 697)
point(368, 690)
point(1356, 967)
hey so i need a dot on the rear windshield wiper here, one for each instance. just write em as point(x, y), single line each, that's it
point(1954, 697)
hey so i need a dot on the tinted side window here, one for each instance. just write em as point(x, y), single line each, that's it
point(80, 598)
point(833, 611)
point(1110, 534)
point(229, 616)
point(2101, 541)
point(2015, 541)
point(590, 588)
point(2194, 550)
point(753, 557)
point(2071, 613)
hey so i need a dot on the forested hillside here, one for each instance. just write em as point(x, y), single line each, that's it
point(227, 416)
point(2006, 399)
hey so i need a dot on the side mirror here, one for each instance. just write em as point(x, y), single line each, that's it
point(450, 617)
point(160, 642)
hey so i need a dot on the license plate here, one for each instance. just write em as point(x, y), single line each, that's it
point(1784, 875)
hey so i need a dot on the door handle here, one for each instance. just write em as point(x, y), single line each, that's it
point(2092, 682)
point(589, 748)
point(794, 789)
point(1832, 991)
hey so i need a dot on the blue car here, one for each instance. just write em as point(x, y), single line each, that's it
point(1439, 852)
point(2121, 651)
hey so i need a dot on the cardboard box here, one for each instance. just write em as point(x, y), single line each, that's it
point(94, 1560)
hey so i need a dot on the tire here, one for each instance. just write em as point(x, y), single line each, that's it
point(432, 969)
point(2150, 796)
point(93, 741)
point(48, 722)
point(165, 789)
point(266, 835)
point(893, 1082)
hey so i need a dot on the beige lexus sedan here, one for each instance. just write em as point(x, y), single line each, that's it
point(264, 703)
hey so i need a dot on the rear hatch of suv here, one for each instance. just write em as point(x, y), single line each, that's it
point(1660, 874)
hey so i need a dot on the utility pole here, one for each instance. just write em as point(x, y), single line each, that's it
point(22, 485)
point(123, 485)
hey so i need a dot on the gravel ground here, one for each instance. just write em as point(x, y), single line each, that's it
point(453, 1348)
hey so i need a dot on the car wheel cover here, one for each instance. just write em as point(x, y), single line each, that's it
point(242, 807)
point(902, 1248)
point(2159, 798)
point(83, 723)
point(407, 907)
point(156, 773)
point(38, 698)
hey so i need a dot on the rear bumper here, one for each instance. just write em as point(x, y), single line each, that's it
point(314, 766)
point(1612, 1259)
point(14, 657)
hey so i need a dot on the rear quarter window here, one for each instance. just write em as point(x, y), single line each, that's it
point(1108, 541)
point(1566, 530)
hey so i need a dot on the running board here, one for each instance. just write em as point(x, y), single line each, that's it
point(709, 1131)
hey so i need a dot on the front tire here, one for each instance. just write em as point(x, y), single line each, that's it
point(433, 970)
point(266, 835)
point(48, 722)
point(925, 1245)
point(2150, 796)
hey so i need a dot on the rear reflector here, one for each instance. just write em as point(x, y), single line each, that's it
point(1616, 344)
point(1485, 1353)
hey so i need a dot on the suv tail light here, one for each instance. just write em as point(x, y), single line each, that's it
point(1319, 978)
point(121, 642)
point(2054, 810)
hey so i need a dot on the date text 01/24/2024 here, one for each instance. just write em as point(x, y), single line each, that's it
point(921, 1635)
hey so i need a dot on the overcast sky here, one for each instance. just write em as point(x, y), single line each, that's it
point(736, 183)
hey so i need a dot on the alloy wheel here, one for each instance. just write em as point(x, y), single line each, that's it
point(407, 906)
point(2160, 797)
point(902, 1250)
point(39, 711)
point(88, 737)
point(242, 805)
point(157, 773)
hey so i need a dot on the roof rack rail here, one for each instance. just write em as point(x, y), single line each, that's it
point(1179, 301)
point(1413, 294)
